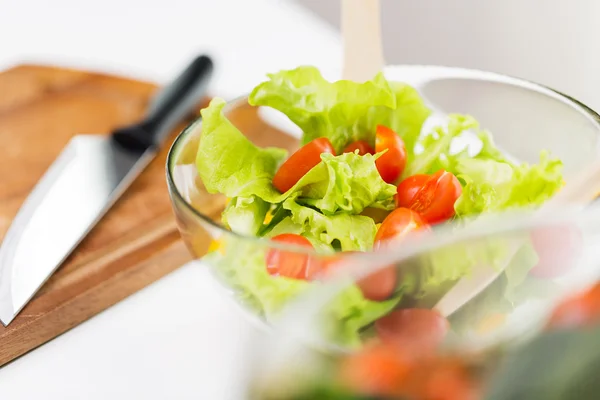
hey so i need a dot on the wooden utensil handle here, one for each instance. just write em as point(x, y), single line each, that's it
point(361, 31)
point(171, 106)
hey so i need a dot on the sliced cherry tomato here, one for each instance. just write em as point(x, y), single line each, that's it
point(391, 164)
point(397, 226)
point(435, 200)
point(442, 378)
point(288, 263)
point(408, 188)
point(557, 248)
point(417, 331)
point(377, 286)
point(380, 285)
point(380, 370)
point(578, 311)
point(361, 145)
point(376, 370)
point(302, 161)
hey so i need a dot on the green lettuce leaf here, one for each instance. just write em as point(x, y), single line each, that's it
point(353, 184)
point(512, 288)
point(229, 163)
point(494, 186)
point(435, 147)
point(356, 313)
point(406, 119)
point(342, 111)
point(351, 232)
point(240, 264)
point(245, 215)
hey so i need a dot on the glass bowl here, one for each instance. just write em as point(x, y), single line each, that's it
point(545, 345)
point(524, 118)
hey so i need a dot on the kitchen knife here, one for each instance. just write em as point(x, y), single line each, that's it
point(83, 182)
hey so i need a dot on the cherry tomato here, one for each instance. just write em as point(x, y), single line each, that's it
point(380, 285)
point(391, 164)
point(408, 188)
point(397, 226)
point(578, 311)
point(442, 378)
point(288, 263)
point(376, 370)
point(557, 248)
point(361, 145)
point(377, 286)
point(302, 161)
point(435, 200)
point(417, 331)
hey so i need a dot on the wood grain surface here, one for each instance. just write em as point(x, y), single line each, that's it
point(136, 243)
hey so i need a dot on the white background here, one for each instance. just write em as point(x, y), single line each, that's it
point(180, 338)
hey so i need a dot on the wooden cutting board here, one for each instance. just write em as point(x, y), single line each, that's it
point(136, 243)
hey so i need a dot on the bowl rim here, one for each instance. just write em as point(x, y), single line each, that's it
point(516, 218)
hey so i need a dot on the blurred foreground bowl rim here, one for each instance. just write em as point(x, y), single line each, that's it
point(441, 71)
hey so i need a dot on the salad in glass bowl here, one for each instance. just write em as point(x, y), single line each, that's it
point(376, 168)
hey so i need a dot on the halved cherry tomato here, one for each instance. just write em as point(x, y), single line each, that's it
point(380, 285)
point(288, 263)
point(376, 370)
point(391, 164)
point(397, 226)
point(381, 370)
point(302, 161)
point(442, 378)
point(417, 331)
point(557, 248)
point(377, 286)
point(362, 146)
point(435, 200)
point(408, 188)
point(578, 311)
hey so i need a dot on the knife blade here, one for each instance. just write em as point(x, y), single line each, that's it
point(82, 184)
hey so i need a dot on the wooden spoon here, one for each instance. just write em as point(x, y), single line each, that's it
point(361, 31)
point(581, 190)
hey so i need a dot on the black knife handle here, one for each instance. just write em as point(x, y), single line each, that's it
point(170, 107)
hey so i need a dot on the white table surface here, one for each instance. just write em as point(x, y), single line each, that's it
point(179, 338)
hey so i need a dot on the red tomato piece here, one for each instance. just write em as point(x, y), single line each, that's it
point(377, 286)
point(380, 285)
point(557, 248)
point(578, 311)
point(391, 164)
point(435, 200)
point(408, 188)
point(361, 145)
point(418, 331)
point(397, 226)
point(288, 263)
point(376, 370)
point(299, 163)
point(442, 379)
